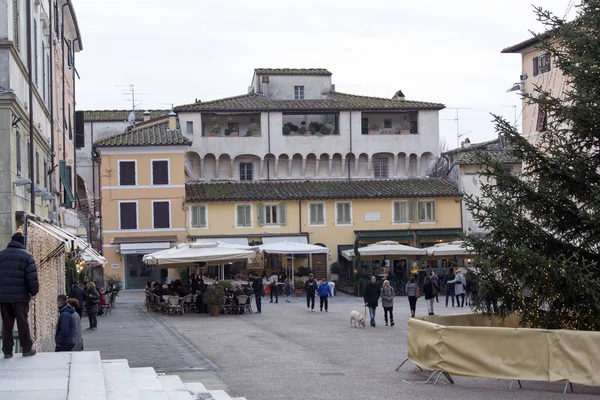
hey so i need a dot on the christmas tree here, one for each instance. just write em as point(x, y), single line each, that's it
point(541, 255)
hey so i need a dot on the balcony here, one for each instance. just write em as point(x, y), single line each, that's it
point(310, 125)
point(244, 125)
point(390, 124)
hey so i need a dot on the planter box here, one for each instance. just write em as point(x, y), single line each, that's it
point(373, 132)
point(214, 311)
point(475, 345)
point(299, 292)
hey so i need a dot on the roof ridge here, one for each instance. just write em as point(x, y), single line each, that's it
point(381, 98)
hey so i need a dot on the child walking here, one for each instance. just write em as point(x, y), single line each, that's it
point(288, 291)
point(324, 292)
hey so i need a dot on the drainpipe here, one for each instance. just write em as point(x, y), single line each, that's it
point(51, 90)
point(269, 143)
point(31, 127)
point(62, 46)
point(75, 181)
point(350, 144)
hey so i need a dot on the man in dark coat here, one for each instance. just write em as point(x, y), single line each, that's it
point(18, 283)
point(310, 288)
point(77, 293)
point(259, 291)
point(372, 294)
point(66, 328)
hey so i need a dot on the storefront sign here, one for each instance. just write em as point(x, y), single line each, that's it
point(372, 216)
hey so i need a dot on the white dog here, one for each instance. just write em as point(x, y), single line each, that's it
point(357, 319)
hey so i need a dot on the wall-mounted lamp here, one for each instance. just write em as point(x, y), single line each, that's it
point(515, 87)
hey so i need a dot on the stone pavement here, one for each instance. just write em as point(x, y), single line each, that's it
point(289, 353)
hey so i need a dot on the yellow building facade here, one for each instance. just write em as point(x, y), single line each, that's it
point(143, 192)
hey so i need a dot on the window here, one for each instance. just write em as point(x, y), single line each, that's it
point(343, 213)
point(56, 19)
point(246, 171)
point(69, 52)
point(37, 167)
point(70, 126)
point(542, 120)
point(387, 123)
point(364, 127)
point(316, 214)
point(35, 53)
point(541, 64)
point(18, 151)
point(160, 172)
point(414, 123)
point(243, 216)
point(298, 92)
point(128, 215)
point(45, 174)
point(16, 24)
point(198, 216)
point(161, 214)
point(426, 211)
point(233, 126)
point(403, 212)
point(189, 127)
point(380, 167)
point(127, 173)
point(271, 214)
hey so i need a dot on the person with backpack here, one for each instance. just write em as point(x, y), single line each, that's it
point(324, 292)
point(459, 288)
point(92, 299)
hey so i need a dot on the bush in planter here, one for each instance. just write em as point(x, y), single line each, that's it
point(215, 128)
point(252, 129)
point(374, 128)
point(227, 131)
point(314, 127)
point(302, 130)
point(335, 267)
point(293, 128)
point(213, 296)
point(303, 271)
point(286, 130)
point(325, 130)
point(299, 287)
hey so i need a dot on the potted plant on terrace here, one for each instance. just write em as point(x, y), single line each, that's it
point(215, 129)
point(213, 298)
point(286, 130)
point(374, 129)
point(252, 129)
point(299, 287)
point(227, 132)
point(303, 131)
point(405, 127)
point(314, 127)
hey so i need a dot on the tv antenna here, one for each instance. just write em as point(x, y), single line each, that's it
point(458, 134)
point(130, 94)
point(514, 107)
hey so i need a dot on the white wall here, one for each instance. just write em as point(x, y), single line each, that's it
point(281, 87)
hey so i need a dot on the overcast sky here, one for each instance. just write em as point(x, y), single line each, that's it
point(180, 50)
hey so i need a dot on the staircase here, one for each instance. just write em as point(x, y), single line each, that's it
point(83, 375)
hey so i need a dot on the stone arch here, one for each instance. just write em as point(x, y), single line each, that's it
point(282, 166)
point(192, 165)
point(297, 166)
point(336, 165)
point(245, 158)
point(402, 166)
point(323, 171)
point(350, 164)
point(225, 170)
point(363, 166)
point(311, 165)
point(412, 165)
point(268, 166)
point(390, 164)
point(210, 167)
point(427, 161)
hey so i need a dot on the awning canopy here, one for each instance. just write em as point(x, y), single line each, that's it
point(72, 242)
point(457, 248)
point(278, 239)
point(143, 248)
point(292, 248)
point(186, 254)
point(403, 235)
point(388, 249)
point(242, 241)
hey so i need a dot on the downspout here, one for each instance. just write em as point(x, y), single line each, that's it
point(75, 181)
point(62, 46)
point(350, 144)
point(269, 143)
point(31, 127)
point(51, 101)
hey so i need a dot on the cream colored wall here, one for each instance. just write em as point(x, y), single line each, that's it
point(221, 220)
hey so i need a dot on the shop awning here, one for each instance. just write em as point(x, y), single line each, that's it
point(403, 235)
point(242, 241)
point(277, 239)
point(143, 248)
point(72, 242)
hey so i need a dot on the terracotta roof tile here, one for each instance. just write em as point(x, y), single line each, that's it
point(291, 71)
point(154, 135)
point(320, 190)
point(119, 115)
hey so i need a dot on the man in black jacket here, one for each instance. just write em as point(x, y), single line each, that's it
point(77, 293)
point(372, 294)
point(259, 291)
point(310, 287)
point(18, 283)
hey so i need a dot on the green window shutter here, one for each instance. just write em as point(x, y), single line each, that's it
point(282, 216)
point(240, 215)
point(321, 212)
point(261, 215)
point(396, 213)
point(194, 210)
point(338, 214)
point(433, 210)
point(411, 211)
point(312, 214)
point(202, 216)
point(65, 177)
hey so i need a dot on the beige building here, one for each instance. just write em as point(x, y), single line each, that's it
point(142, 183)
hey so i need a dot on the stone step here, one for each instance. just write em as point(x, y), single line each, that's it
point(85, 373)
point(148, 385)
point(195, 387)
point(219, 395)
point(174, 387)
point(119, 381)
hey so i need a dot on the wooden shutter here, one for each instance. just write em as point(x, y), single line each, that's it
point(411, 211)
point(536, 70)
point(312, 215)
point(261, 215)
point(79, 129)
point(160, 172)
point(127, 173)
point(320, 214)
point(396, 217)
point(161, 214)
point(282, 216)
point(128, 215)
point(240, 215)
point(432, 210)
point(202, 216)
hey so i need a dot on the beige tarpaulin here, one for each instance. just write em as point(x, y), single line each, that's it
point(473, 345)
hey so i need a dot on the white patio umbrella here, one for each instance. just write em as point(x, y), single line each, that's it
point(388, 249)
point(292, 248)
point(457, 248)
point(185, 254)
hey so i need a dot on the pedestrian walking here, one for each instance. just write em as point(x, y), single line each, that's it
point(92, 299)
point(65, 329)
point(78, 346)
point(259, 291)
point(273, 286)
point(436, 284)
point(430, 293)
point(310, 288)
point(459, 282)
point(288, 291)
point(387, 301)
point(324, 293)
point(18, 283)
point(412, 290)
point(77, 293)
point(371, 297)
point(449, 286)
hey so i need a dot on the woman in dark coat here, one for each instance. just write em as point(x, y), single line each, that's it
point(92, 299)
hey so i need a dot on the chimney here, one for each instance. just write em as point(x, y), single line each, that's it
point(333, 87)
point(399, 95)
point(465, 143)
point(172, 121)
point(146, 115)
